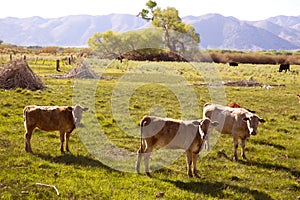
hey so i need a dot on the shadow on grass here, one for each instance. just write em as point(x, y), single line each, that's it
point(271, 167)
point(70, 159)
point(276, 146)
point(216, 189)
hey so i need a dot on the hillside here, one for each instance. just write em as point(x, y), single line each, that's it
point(216, 31)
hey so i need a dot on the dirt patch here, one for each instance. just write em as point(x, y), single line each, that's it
point(241, 83)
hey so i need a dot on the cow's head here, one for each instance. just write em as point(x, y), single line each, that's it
point(205, 127)
point(252, 123)
point(77, 112)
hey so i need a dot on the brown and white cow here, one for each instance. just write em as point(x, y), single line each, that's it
point(172, 134)
point(238, 122)
point(51, 118)
point(234, 104)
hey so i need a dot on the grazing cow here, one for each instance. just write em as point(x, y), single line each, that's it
point(172, 134)
point(51, 118)
point(233, 64)
point(284, 66)
point(298, 95)
point(238, 122)
point(234, 104)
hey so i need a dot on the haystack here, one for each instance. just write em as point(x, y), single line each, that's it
point(18, 74)
point(81, 71)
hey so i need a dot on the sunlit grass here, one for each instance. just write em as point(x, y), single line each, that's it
point(271, 172)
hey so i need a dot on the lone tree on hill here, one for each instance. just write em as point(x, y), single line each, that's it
point(178, 36)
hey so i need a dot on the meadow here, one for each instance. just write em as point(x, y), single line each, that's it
point(103, 148)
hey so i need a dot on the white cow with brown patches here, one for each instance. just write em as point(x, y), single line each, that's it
point(238, 122)
point(172, 134)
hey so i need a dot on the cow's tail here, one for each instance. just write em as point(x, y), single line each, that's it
point(25, 110)
point(207, 104)
point(144, 122)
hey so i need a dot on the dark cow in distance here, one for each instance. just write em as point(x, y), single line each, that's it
point(284, 66)
point(233, 64)
point(51, 118)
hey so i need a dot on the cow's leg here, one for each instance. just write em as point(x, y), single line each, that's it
point(206, 143)
point(146, 163)
point(62, 139)
point(235, 145)
point(147, 155)
point(67, 141)
point(243, 144)
point(194, 161)
point(27, 137)
point(189, 163)
point(139, 158)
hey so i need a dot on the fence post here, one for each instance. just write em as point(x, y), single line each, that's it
point(57, 65)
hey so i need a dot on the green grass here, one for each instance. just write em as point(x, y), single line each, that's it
point(101, 165)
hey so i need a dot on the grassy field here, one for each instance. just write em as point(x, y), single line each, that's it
point(101, 165)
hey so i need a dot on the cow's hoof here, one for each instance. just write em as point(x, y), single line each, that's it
point(149, 175)
point(196, 175)
point(235, 158)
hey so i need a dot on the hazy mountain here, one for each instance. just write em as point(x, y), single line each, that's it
point(71, 30)
point(216, 31)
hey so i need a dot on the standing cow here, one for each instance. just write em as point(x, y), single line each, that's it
point(234, 64)
point(51, 118)
point(284, 66)
point(234, 104)
point(172, 134)
point(238, 122)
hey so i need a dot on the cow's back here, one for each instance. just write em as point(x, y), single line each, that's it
point(226, 116)
point(168, 133)
point(49, 118)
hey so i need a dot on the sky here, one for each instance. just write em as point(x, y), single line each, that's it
point(242, 9)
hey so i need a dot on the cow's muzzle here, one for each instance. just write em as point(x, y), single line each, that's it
point(253, 133)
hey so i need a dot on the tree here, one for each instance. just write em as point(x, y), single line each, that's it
point(113, 45)
point(1, 42)
point(178, 36)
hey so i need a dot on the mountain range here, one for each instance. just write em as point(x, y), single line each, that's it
point(216, 31)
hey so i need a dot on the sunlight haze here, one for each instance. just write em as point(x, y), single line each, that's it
point(243, 10)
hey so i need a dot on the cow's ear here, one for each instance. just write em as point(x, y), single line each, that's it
point(85, 109)
point(196, 123)
point(261, 120)
point(70, 108)
point(246, 119)
point(214, 123)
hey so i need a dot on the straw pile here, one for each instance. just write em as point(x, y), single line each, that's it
point(18, 74)
point(81, 71)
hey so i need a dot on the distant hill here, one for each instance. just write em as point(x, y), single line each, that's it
point(216, 31)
